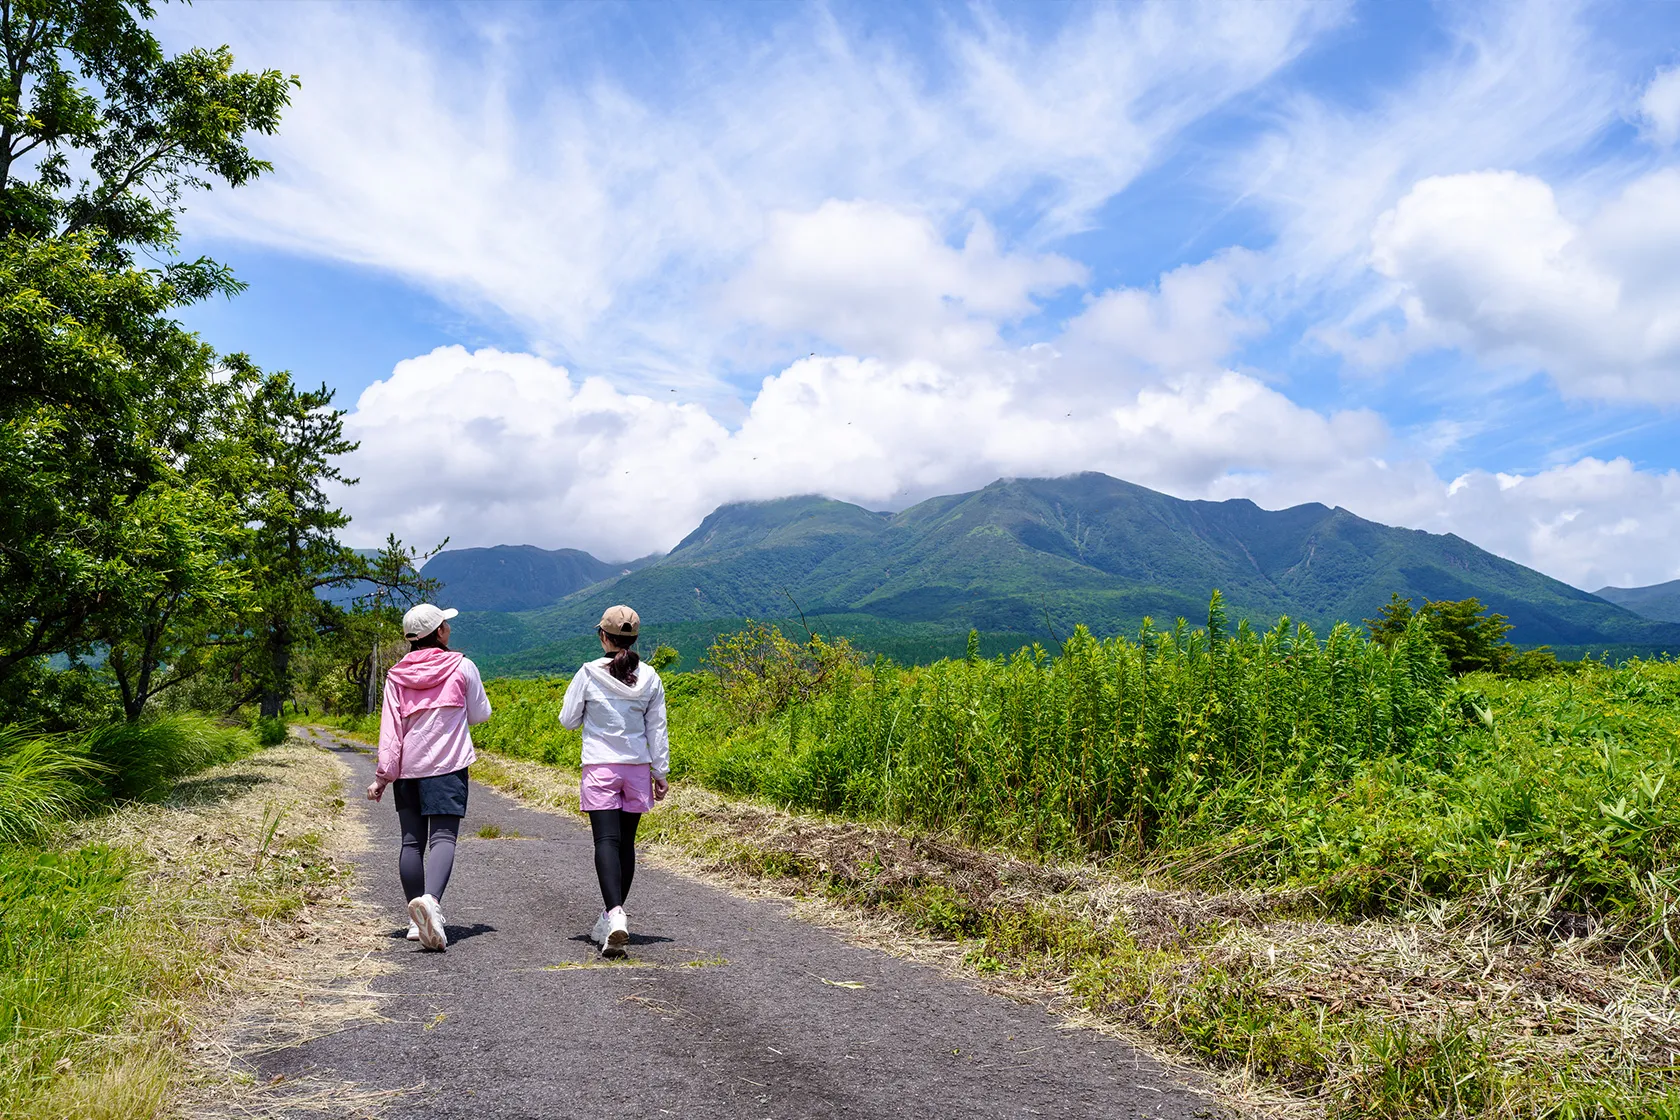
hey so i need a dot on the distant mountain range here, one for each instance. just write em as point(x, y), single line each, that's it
point(518, 577)
point(1020, 560)
point(1660, 601)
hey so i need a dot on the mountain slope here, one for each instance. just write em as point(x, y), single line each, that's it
point(1027, 555)
point(1660, 601)
point(515, 577)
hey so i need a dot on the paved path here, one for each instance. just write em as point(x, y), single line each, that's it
point(723, 1011)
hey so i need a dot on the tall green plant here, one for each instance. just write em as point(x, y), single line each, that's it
point(43, 780)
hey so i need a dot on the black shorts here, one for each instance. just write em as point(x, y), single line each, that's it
point(443, 795)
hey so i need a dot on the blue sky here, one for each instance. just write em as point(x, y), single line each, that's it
point(583, 272)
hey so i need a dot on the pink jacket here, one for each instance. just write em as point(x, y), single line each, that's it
point(431, 697)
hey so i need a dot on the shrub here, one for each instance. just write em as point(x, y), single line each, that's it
point(43, 779)
point(762, 671)
point(271, 731)
point(143, 759)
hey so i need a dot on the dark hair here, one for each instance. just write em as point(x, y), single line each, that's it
point(428, 641)
point(624, 662)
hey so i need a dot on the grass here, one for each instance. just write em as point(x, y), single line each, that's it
point(1320, 865)
point(47, 779)
point(117, 930)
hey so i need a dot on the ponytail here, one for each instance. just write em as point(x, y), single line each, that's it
point(624, 662)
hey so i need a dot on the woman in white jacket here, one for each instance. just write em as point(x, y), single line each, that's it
point(620, 704)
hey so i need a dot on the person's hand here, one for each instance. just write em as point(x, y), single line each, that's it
point(375, 790)
point(660, 788)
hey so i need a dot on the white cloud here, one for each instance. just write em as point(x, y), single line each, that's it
point(875, 280)
point(489, 447)
point(1189, 324)
point(1590, 523)
point(1660, 106)
point(1521, 84)
point(592, 213)
point(1486, 261)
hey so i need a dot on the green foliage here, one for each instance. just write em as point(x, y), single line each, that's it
point(43, 780)
point(1472, 640)
point(46, 778)
point(1392, 621)
point(1360, 771)
point(87, 86)
point(271, 731)
point(144, 759)
point(762, 672)
point(664, 658)
point(55, 983)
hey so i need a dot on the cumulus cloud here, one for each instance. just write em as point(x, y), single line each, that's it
point(1189, 324)
point(1519, 85)
point(1660, 107)
point(875, 280)
point(1486, 261)
point(489, 447)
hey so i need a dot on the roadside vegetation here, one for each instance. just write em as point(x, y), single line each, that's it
point(120, 918)
point(1324, 864)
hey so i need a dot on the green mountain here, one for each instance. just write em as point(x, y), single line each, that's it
point(1660, 601)
point(1027, 559)
point(515, 577)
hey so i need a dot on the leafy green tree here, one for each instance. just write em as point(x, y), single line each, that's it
point(1472, 637)
point(86, 78)
point(100, 389)
point(1391, 622)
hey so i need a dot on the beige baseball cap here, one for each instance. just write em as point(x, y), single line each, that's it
point(423, 619)
point(621, 622)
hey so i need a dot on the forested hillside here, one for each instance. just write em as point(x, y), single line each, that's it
point(1660, 601)
point(1028, 559)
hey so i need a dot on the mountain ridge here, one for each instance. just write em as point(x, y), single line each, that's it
point(1029, 556)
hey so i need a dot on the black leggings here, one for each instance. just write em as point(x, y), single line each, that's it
point(428, 872)
point(615, 852)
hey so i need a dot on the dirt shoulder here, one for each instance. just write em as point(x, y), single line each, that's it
point(229, 927)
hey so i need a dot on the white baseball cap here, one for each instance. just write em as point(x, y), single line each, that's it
point(425, 618)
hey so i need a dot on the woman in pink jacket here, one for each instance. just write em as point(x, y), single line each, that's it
point(431, 696)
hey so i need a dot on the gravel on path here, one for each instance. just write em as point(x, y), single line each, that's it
point(727, 1007)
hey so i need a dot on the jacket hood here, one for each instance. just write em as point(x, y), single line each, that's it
point(425, 668)
point(645, 676)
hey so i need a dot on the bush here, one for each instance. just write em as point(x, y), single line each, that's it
point(272, 731)
point(144, 759)
point(43, 779)
point(762, 672)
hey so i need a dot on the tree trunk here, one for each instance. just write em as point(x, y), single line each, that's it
point(279, 671)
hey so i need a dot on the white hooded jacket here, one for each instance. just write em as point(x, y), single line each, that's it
point(621, 722)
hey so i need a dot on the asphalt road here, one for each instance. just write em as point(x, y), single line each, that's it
point(727, 1006)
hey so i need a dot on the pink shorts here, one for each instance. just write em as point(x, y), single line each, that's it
point(617, 785)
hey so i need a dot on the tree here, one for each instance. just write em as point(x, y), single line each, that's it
point(292, 441)
point(1473, 641)
point(100, 389)
point(1391, 622)
point(86, 78)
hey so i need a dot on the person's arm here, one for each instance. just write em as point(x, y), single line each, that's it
point(478, 704)
point(571, 708)
point(389, 766)
point(658, 736)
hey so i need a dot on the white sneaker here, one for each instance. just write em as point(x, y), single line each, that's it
point(428, 921)
point(618, 933)
point(413, 932)
point(603, 926)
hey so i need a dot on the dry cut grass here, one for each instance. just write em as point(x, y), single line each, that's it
point(235, 933)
